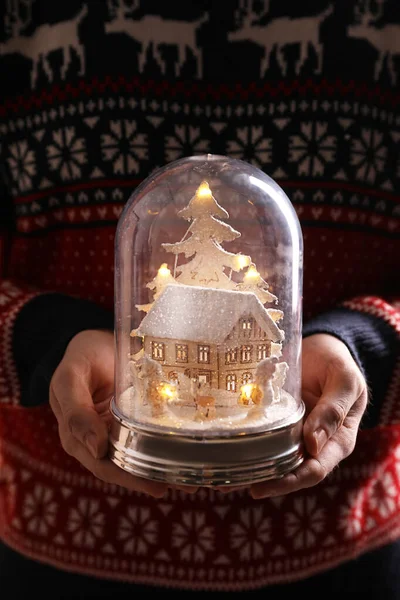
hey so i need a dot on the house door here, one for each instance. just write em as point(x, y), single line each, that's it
point(204, 377)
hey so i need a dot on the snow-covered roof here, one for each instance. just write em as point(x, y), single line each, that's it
point(199, 314)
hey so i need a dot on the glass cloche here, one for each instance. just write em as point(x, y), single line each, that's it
point(208, 316)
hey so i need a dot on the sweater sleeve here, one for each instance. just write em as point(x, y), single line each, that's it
point(35, 329)
point(35, 325)
point(370, 328)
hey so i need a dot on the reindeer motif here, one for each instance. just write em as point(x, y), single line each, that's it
point(205, 408)
point(279, 33)
point(204, 402)
point(385, 40)
point(153, 31)
point(46, 39)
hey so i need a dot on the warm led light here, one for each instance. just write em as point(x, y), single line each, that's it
point(164, 271)
point(251, 273)
point(167, 391)
point(243, 261)
point(204, 191)
point(247, 389)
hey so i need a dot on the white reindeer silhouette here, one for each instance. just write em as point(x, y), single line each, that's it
point(279, 33)
point(46, 39)
point(386, 39)
point(152, 31)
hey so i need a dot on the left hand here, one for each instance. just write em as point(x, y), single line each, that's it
point(335, 394)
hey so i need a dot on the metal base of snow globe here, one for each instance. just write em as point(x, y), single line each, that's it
point(174, 457)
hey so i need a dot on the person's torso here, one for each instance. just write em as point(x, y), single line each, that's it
point(96, 95)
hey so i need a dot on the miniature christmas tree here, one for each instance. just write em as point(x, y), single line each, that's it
point(207, 232)
point(253, 282)
point(275, 314)
point(158, 284)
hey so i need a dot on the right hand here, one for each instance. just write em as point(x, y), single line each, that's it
point(80, 393)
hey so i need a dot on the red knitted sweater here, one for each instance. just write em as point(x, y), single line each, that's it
point(94, 97)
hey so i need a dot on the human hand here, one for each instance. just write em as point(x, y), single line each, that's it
point(335, 394)
point(80, 393)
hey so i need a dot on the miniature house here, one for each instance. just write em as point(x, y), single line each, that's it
point(216, 337)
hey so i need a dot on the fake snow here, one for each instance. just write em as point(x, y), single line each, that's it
point(206, 315)
point(180, 416)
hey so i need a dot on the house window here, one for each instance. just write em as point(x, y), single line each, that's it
point(173, 377)
point(157, 350)
point(247, 378)
point(181, 352)
point(262, 352)
point(245, 354)
point(247, 326)
point(204, 377)
point(231, 382)
point(204, 354)
point(231, 356)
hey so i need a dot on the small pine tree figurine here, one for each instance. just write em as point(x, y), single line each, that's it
point(207, 232)
point(253, 282)
point(162, 279)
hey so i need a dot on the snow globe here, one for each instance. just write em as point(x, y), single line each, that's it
point(208, 317)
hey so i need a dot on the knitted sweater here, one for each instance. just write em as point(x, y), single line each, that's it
point(94, 96)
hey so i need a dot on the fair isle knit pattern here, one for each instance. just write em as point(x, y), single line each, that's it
point(84, 119)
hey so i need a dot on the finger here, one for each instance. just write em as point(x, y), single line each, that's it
point(103, 407)
point(54, 405)
point(107, 471)
point(343, 389)
point(74, 408)
point(306, 475)
point(313, 470)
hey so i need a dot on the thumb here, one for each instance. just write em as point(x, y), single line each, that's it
point(76, 411)
point(88, 428)
point(328, 415)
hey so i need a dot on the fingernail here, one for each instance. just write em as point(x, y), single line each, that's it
point(91, 443)
point(321, 438)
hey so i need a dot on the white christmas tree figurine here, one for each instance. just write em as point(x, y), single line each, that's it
point(207, 232)
point(158, 284)
point(253, 282)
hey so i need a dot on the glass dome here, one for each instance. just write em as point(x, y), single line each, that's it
point(208, 316)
